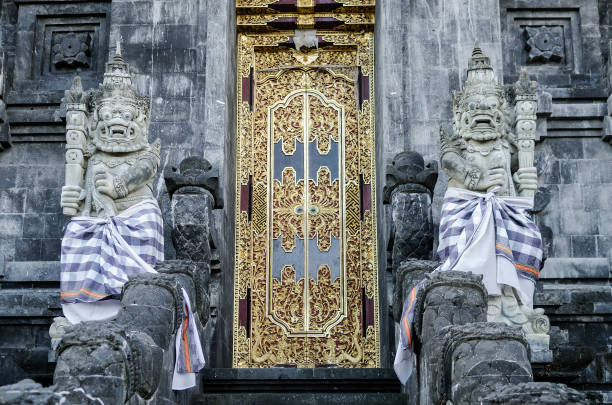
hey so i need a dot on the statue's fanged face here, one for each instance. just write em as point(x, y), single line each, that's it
point(120, 127)
point(480, 116)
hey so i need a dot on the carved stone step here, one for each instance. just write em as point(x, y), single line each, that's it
point(302, 398)
point(296, 380)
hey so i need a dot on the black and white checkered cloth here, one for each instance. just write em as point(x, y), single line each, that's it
point(517, 237)
point(99, 255)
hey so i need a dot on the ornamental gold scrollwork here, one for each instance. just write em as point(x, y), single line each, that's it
point(325, 197)
point(288, 222)
point(326, 299)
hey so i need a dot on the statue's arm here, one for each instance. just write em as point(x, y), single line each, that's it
point(460, 170)
point(140, 173)
point(470, 176)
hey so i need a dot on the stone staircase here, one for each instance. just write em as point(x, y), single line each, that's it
point(299, 386)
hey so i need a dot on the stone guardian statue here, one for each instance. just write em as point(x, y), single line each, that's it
point(486, 226)
point(116, 228)
point(110, 165)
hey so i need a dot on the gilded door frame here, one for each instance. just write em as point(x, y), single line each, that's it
point(365, 55)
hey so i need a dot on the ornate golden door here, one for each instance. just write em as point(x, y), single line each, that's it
point(306, 291)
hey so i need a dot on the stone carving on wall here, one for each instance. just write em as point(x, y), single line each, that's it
point(545, 44)
point(71, 49)
point(110, 165)
point(489, 159)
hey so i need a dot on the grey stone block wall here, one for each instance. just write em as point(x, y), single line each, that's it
point(166, 43)
point(183, 54)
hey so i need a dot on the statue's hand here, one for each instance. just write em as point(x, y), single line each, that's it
point(71, 196)
point(105, 184)
point(526, 179)
point(493, 178)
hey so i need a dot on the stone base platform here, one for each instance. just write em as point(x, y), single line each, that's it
point(300, 386)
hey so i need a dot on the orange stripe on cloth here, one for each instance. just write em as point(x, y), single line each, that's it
point(82, 290)
point(405, 320)
point(186, 342)
point(503, 248)
point(527, 268)
point(408, 333)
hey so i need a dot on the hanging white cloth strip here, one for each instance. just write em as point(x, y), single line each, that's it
point(98, 257)
point(486, 234)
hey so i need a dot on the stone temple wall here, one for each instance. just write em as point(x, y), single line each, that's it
point(183, 55)
point(422, 53)
point(180, 52)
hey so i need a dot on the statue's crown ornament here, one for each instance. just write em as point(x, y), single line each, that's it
point(480, 76)
point(117, 84)
point(480, 109)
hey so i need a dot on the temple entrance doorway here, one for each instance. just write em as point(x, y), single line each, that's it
point(305, 278)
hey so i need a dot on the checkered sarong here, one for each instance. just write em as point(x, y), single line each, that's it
point(98, 254)
point(517, 240)
point(516, 236)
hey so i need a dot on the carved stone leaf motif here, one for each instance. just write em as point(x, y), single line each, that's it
point(71, 50)
point(545, 44)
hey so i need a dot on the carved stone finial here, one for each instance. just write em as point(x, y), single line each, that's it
point(118, 49)
point(193, 173)
point(408, 172)
point(524, 86)
point(477, 51)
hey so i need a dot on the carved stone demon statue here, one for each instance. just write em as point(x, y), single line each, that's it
point(110, 164)
point(486, 227)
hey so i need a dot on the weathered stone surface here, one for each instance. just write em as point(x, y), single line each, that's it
point(473, 358)
point(194, 173)
point(406, 276)
point(194, 192)
point(29, 392)
point(409, 187)
point(534, 393)
point(5, 130)
point(109, 362)
point(195, 278)
point(449, 298)
point(576, 268)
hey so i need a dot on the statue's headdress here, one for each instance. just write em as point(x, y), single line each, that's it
point(480, 77)
point(118, 83)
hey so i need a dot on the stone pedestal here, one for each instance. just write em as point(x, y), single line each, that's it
point(477, 357)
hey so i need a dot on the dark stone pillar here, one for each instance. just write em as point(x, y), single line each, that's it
point(5, 132)
point(409, 186)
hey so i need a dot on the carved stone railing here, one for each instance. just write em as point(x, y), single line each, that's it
point(535, 393)
point(131, 358)
point(460, 357)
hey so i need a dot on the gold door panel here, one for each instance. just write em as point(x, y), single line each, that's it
point(306, 290)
